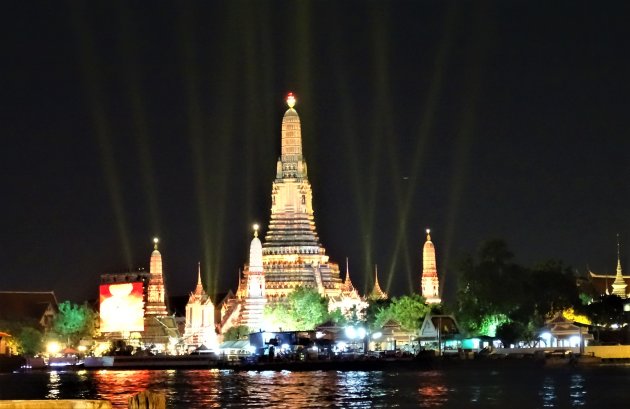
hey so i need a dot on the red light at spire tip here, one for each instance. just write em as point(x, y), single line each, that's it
point(290, 100)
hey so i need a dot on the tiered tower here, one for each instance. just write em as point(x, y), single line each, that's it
point(377, 293)
point(429, 281)
point(156, 306)
point(199, 329)
point(292, 255)
point(254, 298)
point(619, 285)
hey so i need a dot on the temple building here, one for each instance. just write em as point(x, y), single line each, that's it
point(292, 254)
point(199, 328)
point(132, 307)
point(429, 281)
point(377, 293)
point(252, 289)
point(606, 284)
point(156, 290)
point(350, 299)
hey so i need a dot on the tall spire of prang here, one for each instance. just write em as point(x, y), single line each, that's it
point(292, 161)
point(619, 285)
point(199, 288)
point(156, 289)
point(377, 292)
point(429, 282)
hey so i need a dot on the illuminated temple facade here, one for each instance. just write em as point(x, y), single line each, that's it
point(429, 281)
point(199, 327)
point(291, 253)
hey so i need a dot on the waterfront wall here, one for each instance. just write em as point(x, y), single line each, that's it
point(55, 404)
point(609, 351)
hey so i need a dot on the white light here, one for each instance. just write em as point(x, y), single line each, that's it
point(574, 341)
point(377, 335)
point(251, 349)
point(351, 332)
point(546, 336)
point(614, 326)
point(53, 347)
point(319, 334)
point(341, 345)
point(284, 346)
point(361, 333)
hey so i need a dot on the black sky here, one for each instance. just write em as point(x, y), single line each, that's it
point(124, 120)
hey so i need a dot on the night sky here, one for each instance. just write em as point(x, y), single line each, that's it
point(121, 121)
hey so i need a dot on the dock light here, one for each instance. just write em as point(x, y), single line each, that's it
point(351, 332)
point(377, 335)
point(546, 336)
point(319, 334)
point(574, 341)
point(361, 333)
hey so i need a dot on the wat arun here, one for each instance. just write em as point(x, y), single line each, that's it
point(292, 254)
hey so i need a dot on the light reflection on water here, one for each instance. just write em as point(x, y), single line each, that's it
point(449, 388)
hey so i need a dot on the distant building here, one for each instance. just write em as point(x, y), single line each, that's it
point(377, 293)
point(37, 308)
point(132, 307)
point(291, 255)
point(429, 281)
point(616, 284)
point(200, 327)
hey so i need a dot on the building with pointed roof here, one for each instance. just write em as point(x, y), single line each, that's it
point(37, 308)
point(254, 288)
point(430, 285)
point(377, 293)
point(199, 328)
point(616, 284)
point(292, 253)
point(156, 291)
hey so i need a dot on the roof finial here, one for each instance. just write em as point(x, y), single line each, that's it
point(255, 229)
point(290, 100)
point(155, 243)
point(428, 234)
point(199, 273)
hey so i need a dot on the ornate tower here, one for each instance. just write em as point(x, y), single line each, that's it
point(377, 293)
point(254, 297)
point(619, 285)
point(430, 283)
point(156, 291)
point(199, 329)
point(292, 255)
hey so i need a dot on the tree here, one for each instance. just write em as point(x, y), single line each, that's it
point(25, 338)
point(510, 332)
point(409, 311)
point(606, 311)
point(74, 321)
point(302, 310)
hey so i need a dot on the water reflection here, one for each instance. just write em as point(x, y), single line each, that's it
point(577, 390)
point(452, 387)
point(433, 392)
point(54, 384)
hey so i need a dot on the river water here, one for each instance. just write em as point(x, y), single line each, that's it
point(513, 388)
